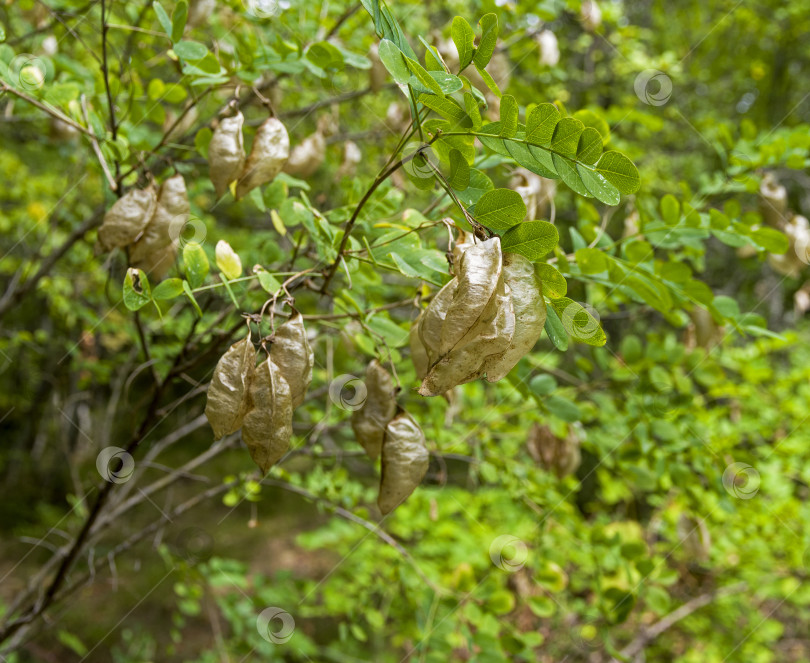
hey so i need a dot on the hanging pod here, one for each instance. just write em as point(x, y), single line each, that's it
point(405, 461)
point(270, 151)
point(370, 421)
point(127, 218)
point(530, 315)
point(267, 426)
point(226, 153)
point(156, 249)
point(419, 355)
point(307, 156)
point(228, 391)
point(293, 355)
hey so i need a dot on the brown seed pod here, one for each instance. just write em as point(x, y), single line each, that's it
point(156, 249)
point(267, 425)
point(127, 218)
point(405, 461)
point(270, 151)
point(226, 153)
point(228, 391)
point(556, 454)
point(418, 353)
point(432, 320)
point(370, 421)
point(307, 156)
point(530, 315)
point(292, 354)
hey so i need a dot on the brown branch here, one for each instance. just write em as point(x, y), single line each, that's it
point(4, 87)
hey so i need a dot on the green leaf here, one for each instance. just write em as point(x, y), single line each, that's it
point(473, 112)
point(445, 107)
point(190, 295)
point(542, 384)
point(591, 261)
point(459, 177)
point(771, 240)
point(555, 330)
point(619, 171)
point(509, 116)
point(590, 146)
point(179, 16)
point(563, 408)
point(191, 51)
point(500, 209)
point(424, 78)
point(325, 55)
point(394, 61)
point(163, 18)
point(478, 186)
point(553, 283)
point(578, 322)
point(489, 81)
point(670, 210)
point(168, 289)
point(136, 289)
point(488, 41)
point(531, 239)
point(540, 124)
point(464, 39)
point(566, 136)
point(569, 174)
point(268, 282)
point(598, 186)
point(195, 263)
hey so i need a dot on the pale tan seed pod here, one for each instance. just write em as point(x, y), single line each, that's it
point(419, 355)
point(127, 218)
point(226, 153)
point(405, 461)
point(270, 151)
point(267, 425)
point(228, 391)
point(555, 454)
point(293, 355)
point(465, 241)
point(370, 421)
point(307, 157)
point(156, 249)
point(432, 320)
point(530, 315)
point(773, 202)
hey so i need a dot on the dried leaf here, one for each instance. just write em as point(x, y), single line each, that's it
point(127, 218)
point(369, 422)
point(226, 153)
point(267, 426)
point(228, 391)
point(530, 315)
point(270, 151)
point(156, 250)
point(405, 461)
point(292, 354)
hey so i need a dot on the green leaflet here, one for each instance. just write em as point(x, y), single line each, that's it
point(568, 173)
point(578, 322)
point(619, 171)
point(459, 177)
point(490, 82)
point(598, 186)
point(531, 239)
point(136, 289)
point(489, 39)
point(424, 78)
point(566, 137)
point(479, 184)
point(509, 116)
point(540, 124)
point(555, 330)
point(553, 283)
point(394, 61)
point(464, 39)
point(590, 146)
point(195, 263)
point(500, 209)
point(447, 108)
point(474, 113)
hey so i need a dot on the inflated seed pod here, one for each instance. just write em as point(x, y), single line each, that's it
point(405, 461)
point(530, 315)
point(156, 249)
point(270, 151)
point(369, 422)
point(228, 391)
point(432, 320)
point(292, 354)
point(560, 455)
point(307, 156)
point(267, 426)
point(465, 241)
point(419, 355)
point(127, 218)
point(226, 153)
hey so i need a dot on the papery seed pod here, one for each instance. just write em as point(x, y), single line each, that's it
point(370, 421)
point(270, 151)
point(267, 425)
point(695, 538)
point(156, 249)
point(228, 391)
point(555, 454)
point(307, 157)
point(419, 355)
point(465, 241)
point(773, 202)
point(226, 153)
point(797, 257)
point(432, 320)
point(405, 461)
point(127, 218)
point(530, 315)
point(549, 48)
point(293, 355)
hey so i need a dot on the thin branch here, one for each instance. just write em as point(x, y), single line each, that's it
point(5, 87)
point(94, 142)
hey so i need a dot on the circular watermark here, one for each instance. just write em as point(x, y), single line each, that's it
point(285, 620)
point(27, 71)
point(419, 161)
point(508, 553)
point(115, 465)
point(741, 480)
point(265, 8)
point(348, 392)
point(585, 636)
point(653, 87)
point(581, 321)
point(185, 229)
point(194, 544)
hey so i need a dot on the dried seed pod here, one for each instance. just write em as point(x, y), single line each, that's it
point(369, 422)
point(432, 319)
point(307, 156)
point(267, 425)
point(226, 153)
point(228, 391)
point(555, 454)
point(127, 218)
point(405, 461)
point(530, 315)
point(270, 151)
point(292, 354)
point(465, 241)
point(156, 249)
point(773, 202)
point(419, 355)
